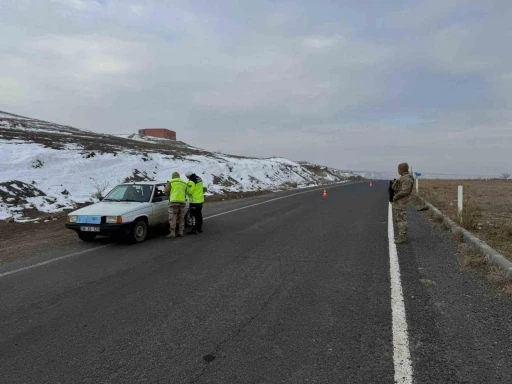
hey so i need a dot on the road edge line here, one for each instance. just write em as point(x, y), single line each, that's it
point(278, 198)
point(52, 260)
point(401, 353)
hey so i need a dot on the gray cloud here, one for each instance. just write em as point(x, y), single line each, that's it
point(361, 85)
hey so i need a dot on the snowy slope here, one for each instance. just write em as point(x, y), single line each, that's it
point(49, 169)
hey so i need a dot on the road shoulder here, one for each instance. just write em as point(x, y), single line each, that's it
point(461, 327)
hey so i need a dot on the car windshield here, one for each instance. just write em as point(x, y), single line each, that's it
point(130, 193)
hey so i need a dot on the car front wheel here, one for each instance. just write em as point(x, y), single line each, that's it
point(86, 236)
point(139, 231)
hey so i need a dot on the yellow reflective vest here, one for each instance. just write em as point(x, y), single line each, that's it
point(178, 191)
point(195, 191)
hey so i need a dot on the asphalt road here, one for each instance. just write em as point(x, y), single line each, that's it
point(294, 290)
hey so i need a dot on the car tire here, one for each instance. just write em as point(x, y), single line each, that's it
point(139, 231)
point(189, 220)
point(86, 236)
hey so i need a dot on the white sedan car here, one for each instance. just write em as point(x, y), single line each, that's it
point(129, 209)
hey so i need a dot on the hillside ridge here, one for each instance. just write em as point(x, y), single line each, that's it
point(48, 167)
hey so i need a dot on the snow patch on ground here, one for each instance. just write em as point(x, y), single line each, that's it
point(36, 175)
point(66, 178)
point(17, 196)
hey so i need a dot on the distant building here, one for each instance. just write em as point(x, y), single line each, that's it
point(161, 133)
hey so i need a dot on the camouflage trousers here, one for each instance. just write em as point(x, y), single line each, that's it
point(176, 216)
point(401, 222)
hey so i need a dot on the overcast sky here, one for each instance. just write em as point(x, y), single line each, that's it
point(355, 84)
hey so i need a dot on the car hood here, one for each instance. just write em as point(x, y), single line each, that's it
point(109, 208)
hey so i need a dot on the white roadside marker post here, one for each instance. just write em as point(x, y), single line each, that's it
point(417, 183)
point(459, 202)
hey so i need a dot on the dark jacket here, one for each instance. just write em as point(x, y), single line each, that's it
point(195, 189)
point(391, 191)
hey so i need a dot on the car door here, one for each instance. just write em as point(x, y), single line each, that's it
point(160, 204)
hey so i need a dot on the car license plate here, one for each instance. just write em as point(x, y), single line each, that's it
point(90, 229)
point(88, 220)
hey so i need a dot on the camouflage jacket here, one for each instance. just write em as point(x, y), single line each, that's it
point(403, 189)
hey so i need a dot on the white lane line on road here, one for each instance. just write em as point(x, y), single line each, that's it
point(269, 201)
point(401, 353)
point(206, 218)
point(52, 260)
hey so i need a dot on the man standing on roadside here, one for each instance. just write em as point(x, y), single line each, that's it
point(176, 188)
point(195, 193)
point(403, 189)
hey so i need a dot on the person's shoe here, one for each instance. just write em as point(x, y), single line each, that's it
point(180, 235)
point(171, 236)
point(200, 231)
point(193, 232)
point(400, 240)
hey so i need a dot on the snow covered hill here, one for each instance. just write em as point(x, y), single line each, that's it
point(46, 167)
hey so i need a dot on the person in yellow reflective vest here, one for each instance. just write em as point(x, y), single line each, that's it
point(195, 193)
point(176, 189)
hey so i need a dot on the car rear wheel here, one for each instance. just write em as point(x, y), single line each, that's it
point(139, 231)
point(86, 236)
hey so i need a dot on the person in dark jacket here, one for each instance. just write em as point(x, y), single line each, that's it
point(195, 193)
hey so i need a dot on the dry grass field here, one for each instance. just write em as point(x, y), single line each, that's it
point(487, 208)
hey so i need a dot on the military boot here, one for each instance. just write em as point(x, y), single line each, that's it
point(400, 240)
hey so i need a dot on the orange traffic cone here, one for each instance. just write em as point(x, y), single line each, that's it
point(371, 185)
point(325, 193)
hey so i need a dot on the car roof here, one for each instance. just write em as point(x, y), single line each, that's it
point(145, 183)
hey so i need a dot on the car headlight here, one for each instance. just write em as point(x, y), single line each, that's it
point(114, 220)
point(72, 219)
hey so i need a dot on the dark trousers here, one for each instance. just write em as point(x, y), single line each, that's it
point(196, 211)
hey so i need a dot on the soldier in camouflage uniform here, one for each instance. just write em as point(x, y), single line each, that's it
point(176, 189)
point(403, 189)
